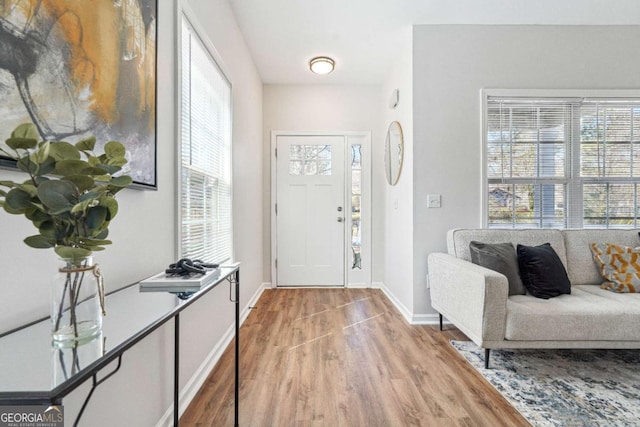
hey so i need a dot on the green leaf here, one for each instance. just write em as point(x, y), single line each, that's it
point(30, 165)
point(102, 234)
point(114, 149)
point(71, 167)
point(26, 130)
point(47, 166)
point(42, 153)
point(37, 215)
point(119, 161)
point(62, 230)
point(28, 188)
point(96, 242)
point(82, 182)
point(112, 206)
point(21, 143)
point(121, 181)
point(10, 210)
point(96, 217)
point(95, 248)
point(110, 169)
point(57, 195)
point(27, 165)
point(40, 179)
point(87, 144)
point(97, 172)
point(9, 184)
point(39, 206)
point(92, 195)
point(74, 254)
point(48, 229)
point(61, 150)
point(38, 242)
point(18, 200)
point(82, 206)
point(93, 160)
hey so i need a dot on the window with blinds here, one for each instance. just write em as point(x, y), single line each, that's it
point(205, 168)
point(562, 162)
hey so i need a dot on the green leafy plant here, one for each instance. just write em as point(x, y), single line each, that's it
point(70, 194)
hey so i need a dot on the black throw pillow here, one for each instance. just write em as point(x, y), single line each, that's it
point(542, 272)
point(500, 257)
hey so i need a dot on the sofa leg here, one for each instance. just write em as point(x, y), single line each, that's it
point(486, 358)
point(440, 320)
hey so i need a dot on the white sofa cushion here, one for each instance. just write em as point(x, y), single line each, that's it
point(589, 313)
point(581, 268)
point(458, 240)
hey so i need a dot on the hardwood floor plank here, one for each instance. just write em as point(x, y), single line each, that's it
point(345, 357)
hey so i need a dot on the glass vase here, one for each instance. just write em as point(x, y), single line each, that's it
point(76, 302)
point(70, 359)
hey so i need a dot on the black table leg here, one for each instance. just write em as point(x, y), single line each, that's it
point(176, 369)
point(237, 379)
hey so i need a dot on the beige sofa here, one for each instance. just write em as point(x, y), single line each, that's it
point(475, 299)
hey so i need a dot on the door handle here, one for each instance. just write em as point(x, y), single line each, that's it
point(340, 219)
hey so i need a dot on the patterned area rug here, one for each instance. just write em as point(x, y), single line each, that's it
point(564, 387)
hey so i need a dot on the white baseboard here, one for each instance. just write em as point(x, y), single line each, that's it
point(426, 319)
point(409, 316)
point(359, 286)
point(406, 313)
point(192, 386)
point(268, 285)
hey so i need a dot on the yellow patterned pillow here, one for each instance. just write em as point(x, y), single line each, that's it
point(619, 266)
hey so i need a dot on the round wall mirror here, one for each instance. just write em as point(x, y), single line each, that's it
point(393, 153)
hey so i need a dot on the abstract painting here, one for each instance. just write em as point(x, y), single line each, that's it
point(82, 67)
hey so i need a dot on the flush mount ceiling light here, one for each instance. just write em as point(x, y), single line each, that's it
point(322, 65)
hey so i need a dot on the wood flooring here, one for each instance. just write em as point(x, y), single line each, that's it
point(345, 357)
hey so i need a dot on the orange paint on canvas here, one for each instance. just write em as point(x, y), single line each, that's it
point(91, 31)
point(95, 33)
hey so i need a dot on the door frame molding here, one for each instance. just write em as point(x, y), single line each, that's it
point(366, 202)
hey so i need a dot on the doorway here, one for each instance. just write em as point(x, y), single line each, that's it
point(315, 211)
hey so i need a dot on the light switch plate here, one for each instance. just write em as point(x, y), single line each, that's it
point(433, 200)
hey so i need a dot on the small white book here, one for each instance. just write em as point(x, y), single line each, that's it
point(168, 283)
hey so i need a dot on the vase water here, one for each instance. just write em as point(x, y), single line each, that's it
point(76, 301)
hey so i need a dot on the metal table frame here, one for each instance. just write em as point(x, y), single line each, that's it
point(54, 396)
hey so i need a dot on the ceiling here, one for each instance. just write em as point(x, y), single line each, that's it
point(363, 35)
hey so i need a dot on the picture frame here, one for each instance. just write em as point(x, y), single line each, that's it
point(76, 69)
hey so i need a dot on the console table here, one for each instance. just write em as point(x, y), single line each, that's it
point(33, 372)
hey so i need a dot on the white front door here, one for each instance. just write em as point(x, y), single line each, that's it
point(310, 207)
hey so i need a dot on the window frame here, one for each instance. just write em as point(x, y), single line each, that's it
point(573, 203)
point(186, 16)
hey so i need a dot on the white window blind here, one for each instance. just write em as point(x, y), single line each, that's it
point(562, 162)
point(205, 169)
point(610, 162)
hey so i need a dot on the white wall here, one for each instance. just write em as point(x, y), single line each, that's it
point(322, 108)
point(398, 199)
point(144, 238)
point(451, 65)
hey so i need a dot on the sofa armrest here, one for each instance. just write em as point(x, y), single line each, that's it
point(472, 297)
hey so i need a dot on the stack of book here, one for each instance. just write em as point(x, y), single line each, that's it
point(188, 283)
